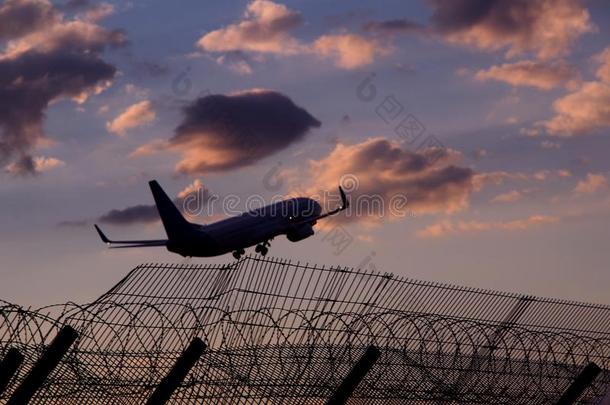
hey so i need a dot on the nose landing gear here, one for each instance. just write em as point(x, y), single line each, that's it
point(262, 248)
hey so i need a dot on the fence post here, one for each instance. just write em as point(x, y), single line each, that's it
point(44, 366)
point(580, 384)
point(9, 366)
point(355, 376)
point(178, 373)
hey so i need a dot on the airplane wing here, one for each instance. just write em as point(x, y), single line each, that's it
point(344, 205)
point(150, 244)
point(129, 243)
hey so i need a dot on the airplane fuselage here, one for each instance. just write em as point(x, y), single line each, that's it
point(249, 229)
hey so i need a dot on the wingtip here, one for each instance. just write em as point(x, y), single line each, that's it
point(344, 201)
point(102, 236)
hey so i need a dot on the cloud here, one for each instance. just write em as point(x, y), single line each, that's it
point(146, 214)
point(445, 228)
point(223, 132)
point(603, 73)
point(136, 91)
point(508, 197)
point(545, 27)
point(131, 215)
point(584, 111)
point(348, 51)
point(30, 82)
point(430, 179)
point(194, 187)
point(545, 76)
point(52, 60)
point(43, 164)
point(134, 116)
point(393, 27)
point(237, 61)
point(20, 17)
point(98, 12)
point(587, 108)
point(33, 165)
point(75, 35)
point(265, 28)
point(154, 146)
point(591, 184)
point(501, 177)
point(541, 175)
point(550, 145)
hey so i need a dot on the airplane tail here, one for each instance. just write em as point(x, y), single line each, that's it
point(176, 226)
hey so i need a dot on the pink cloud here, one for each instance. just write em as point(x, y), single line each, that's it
point(136, 115)
point(591, 184)
point(508, 197)
point(348, 51)
point(546, 27)
point(540, 75)
point(381, 170)
point(445, 228)
point(584, 111)
point(266, 28)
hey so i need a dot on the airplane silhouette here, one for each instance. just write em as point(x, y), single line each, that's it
point(293, 217)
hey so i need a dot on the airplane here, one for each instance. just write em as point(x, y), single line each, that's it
point(293, 217)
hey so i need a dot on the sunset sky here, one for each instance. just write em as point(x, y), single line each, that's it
point(492, 119)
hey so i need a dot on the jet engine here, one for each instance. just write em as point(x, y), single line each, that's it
point(299, 233)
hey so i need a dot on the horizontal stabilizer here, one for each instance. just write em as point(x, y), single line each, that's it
point(160, 243)
point(130, 243)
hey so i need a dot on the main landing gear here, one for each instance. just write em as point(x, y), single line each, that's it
point(239, 253)
point(262, 248)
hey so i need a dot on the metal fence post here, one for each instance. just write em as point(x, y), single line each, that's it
point(9, 366)
point(178, 373)
point(355, 376)
point(44, 366)
point(580, 384)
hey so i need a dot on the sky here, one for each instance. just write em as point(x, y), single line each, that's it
point(472, 136)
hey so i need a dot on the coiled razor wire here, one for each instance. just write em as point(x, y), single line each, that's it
point(282, 332)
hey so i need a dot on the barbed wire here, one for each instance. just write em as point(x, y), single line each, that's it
point(282, 332)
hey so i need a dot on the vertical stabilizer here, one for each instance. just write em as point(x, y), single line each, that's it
point(174, 223)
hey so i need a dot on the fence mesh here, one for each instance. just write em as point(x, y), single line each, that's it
point(284, 332)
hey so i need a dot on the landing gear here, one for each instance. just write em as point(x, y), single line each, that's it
point(239, 253)
point(262, 248)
